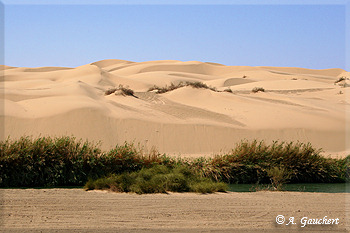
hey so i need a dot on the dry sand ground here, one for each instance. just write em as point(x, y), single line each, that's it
point(298, 104)
point(62, 210)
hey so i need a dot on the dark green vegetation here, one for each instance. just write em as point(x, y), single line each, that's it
point(65, 161)
point(158, 179)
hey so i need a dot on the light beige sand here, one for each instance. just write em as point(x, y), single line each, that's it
point(75, 210)
point(298, 104)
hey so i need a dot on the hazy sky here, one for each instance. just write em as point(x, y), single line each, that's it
point(310, 36)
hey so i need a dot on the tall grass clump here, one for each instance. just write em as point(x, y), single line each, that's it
point(46, 161)
point(250, 162)
point(278, 176)
point(157, 179)
point(65, 161)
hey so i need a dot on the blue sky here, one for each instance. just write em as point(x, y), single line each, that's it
point(310, 36)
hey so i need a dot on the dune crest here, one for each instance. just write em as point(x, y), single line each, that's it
point(295, 104)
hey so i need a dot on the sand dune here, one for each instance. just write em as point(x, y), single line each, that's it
point(295, 70)
point(298, 104)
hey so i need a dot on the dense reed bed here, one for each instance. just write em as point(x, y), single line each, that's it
point(66, 161)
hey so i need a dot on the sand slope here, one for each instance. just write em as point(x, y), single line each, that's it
point(298, 104)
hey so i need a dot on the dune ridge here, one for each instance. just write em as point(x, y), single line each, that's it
point(297, 104)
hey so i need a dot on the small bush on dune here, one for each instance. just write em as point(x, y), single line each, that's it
point(342, 82)
point(200, 85)
point(197, 85)
point(257, 89)
point(126, 91)
point(165, 89)
point(339, 80)
point(110, 91)
point(121, 90)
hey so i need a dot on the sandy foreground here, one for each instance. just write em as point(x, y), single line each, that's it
point(298, 104)
point(75, 210)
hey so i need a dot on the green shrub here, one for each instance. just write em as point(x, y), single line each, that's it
point(208, 186)
point(278, 176)
point(158, 179)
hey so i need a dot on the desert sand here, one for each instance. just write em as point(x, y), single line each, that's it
point(75, 210)
point(298, 104)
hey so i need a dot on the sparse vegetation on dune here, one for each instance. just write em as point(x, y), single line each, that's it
point(342, 81)
point(126, 91)
point(121, 90)
point(339, 80)
point(173, 86)
point(65, 161)
point(110, 91)
point(257, 89)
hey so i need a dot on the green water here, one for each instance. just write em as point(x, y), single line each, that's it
point(307, 187)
